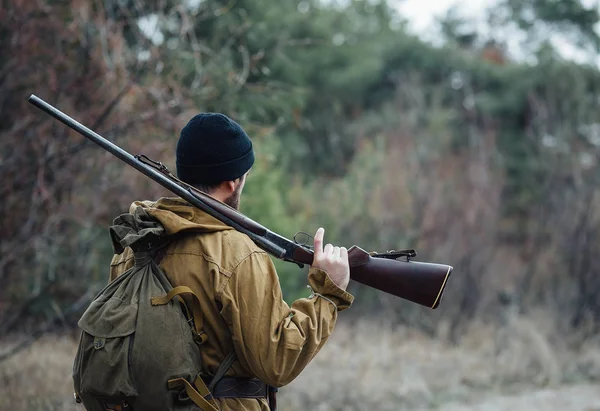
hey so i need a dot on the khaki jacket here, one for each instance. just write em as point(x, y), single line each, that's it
point(242, 304)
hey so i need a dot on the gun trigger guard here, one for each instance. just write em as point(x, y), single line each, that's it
point(396, 255)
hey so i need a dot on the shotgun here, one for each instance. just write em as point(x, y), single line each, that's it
point(392, 272)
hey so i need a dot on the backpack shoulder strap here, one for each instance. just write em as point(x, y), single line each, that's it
point(159, 252)
point(196, 314)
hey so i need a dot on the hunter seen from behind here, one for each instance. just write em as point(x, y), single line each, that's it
point(467, 132)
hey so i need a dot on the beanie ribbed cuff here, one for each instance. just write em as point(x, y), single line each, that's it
point(215, 173)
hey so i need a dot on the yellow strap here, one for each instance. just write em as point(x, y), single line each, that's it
point(165, 299)
point(201, 387)
point(199, 399)
point(196, 310)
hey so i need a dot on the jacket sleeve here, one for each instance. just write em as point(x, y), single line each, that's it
point(271, 339)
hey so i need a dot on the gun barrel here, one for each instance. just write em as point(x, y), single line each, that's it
point(86, 132)
point(219, 211)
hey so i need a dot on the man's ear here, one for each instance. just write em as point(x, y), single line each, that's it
point(229, 186)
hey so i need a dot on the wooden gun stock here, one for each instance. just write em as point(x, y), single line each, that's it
point(421, 283)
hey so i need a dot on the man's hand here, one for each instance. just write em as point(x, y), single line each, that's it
point(332, 260)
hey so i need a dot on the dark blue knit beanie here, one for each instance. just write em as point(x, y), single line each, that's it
point(213, 148)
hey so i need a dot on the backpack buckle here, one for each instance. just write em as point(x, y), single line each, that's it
point(121, 406)
point(114, 404)
point(199, 338)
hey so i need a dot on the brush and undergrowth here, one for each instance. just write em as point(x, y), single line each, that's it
point(366, 365)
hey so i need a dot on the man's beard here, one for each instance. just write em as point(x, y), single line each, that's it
point(234, 199)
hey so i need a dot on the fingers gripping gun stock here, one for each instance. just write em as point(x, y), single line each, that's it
point(421, 283)
point(394, 273)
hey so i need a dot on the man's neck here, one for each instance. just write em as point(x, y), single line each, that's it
point(219, 195)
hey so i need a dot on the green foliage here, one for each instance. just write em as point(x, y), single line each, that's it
point(306, 79)
point(569, 16)
point(359, 127)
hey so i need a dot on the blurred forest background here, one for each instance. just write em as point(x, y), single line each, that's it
point(472, 156)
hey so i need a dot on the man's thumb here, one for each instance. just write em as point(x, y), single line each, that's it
point(318, 241)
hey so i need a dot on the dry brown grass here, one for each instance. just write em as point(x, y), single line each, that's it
point(368, 366)
point(39, 377)
point(365, 365)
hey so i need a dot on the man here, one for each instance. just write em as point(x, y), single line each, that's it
point(242, 307)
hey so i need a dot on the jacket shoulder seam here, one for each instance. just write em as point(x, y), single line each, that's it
point(250, 254)
point(226, 282)
point(206, 257)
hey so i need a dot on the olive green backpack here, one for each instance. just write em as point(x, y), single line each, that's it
point(139, 345)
